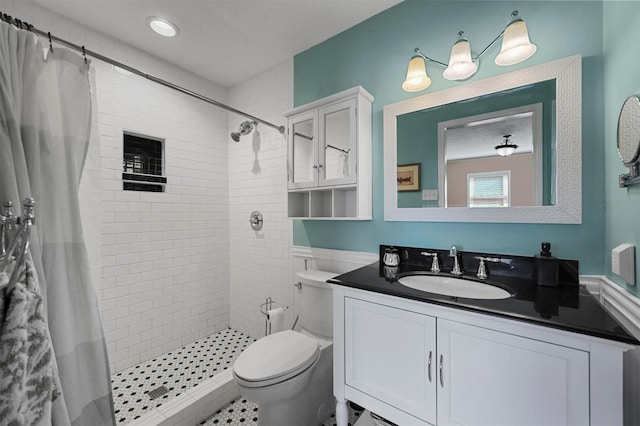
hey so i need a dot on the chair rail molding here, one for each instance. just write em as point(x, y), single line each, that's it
point(624, 306)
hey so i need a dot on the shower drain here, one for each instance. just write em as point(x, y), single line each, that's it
point(158, 392)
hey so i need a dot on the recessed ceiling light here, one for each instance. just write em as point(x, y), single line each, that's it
point(163, 26)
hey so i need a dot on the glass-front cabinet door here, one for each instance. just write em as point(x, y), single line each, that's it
point(303, 152)
point(337, 133)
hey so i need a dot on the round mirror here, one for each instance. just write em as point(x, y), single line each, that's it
point(629, 131)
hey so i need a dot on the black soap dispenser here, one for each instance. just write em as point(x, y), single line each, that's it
point(546, 267)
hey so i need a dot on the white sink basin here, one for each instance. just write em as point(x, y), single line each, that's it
point(449, 286)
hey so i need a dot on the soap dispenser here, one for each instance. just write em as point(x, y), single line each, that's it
point(546, 267)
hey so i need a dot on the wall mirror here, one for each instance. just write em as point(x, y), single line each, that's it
point(454, 136)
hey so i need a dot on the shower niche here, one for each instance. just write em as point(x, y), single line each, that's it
point(329, 157)
point(142, 163)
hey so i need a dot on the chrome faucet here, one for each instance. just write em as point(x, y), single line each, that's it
point(453, 252)
point(435, 265)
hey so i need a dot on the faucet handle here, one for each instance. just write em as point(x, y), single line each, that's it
point(482, 269)
point(435, 265)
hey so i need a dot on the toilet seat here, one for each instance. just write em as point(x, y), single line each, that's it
point(275, 358)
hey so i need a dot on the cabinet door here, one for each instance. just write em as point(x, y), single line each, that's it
point(390, 355)
point(303, 150)
point(492, 378)
point(338, 147)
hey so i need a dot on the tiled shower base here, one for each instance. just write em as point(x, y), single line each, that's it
point(197, 379)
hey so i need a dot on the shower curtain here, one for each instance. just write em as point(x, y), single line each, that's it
point(45, 116)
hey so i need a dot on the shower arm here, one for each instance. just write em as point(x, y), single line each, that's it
point(86, 52)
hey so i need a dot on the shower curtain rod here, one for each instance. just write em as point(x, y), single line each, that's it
point(86, 52)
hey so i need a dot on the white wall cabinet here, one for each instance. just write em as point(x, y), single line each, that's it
point(329, 157)
point(420, 364)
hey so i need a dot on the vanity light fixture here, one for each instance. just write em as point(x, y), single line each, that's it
point(516, 47)
point(506, 148)
point(163, 26)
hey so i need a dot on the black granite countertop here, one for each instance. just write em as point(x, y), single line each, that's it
point(568, 306)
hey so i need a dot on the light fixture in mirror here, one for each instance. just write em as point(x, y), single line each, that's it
point(557, 193)
point(506, 148)
point(516, 47)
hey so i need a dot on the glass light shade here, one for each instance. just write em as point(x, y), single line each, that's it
point(460, 64)
point(163, 26)
point(516, 46)
point(417, 78)
point(505, 151)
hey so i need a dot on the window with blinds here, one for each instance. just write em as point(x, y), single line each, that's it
point(488, 189)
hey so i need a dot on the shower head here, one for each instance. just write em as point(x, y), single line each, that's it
point(245, 128)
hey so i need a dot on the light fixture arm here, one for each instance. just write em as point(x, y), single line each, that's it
point(418, 52)
point(495, 40)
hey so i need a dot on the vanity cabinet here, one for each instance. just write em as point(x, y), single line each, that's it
point(390, 355)
point(329, 157)
point(420, 364)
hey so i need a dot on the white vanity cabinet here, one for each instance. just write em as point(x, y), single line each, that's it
point(329, 157)
point(416, 363)
point(491, 378)
point(390, 355)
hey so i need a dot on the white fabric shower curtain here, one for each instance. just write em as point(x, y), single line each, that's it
point(45, 117)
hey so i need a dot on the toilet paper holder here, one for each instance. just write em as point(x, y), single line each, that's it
point(266, 309)
point(268, 305)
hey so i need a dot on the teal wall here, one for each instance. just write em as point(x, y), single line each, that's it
point(621, 79)
point(375, 54)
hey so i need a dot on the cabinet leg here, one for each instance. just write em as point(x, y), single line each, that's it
point(342, 413)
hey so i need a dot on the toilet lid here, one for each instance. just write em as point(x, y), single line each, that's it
point(277, 355)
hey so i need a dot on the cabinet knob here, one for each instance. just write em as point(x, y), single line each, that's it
point(441, 371)
point(429, 365)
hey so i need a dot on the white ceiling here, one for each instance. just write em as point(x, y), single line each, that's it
point(224, 41)
point(478, 139)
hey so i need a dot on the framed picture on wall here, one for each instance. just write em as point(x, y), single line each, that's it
point(409, 177)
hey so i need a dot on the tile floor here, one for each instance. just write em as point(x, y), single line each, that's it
point(242, 412)
point(177, 370)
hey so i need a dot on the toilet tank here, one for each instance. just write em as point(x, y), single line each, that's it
point(316, 307)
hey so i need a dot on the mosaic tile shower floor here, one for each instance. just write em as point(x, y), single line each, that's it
point(177, 370)
point(242, 412)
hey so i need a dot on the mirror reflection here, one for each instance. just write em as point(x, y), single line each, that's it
point(303, 152)
point(495, 150)
point(337, 144)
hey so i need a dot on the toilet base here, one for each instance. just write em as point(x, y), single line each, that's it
point(292, 403)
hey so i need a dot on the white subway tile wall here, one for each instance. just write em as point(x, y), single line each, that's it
point(165, 255)
point(260, 264)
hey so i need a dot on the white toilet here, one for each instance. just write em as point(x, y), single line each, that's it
point(289, 374)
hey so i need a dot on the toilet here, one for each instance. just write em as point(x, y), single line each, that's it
point(289, 374)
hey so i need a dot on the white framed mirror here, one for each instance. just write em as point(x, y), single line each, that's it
point(453, 137)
